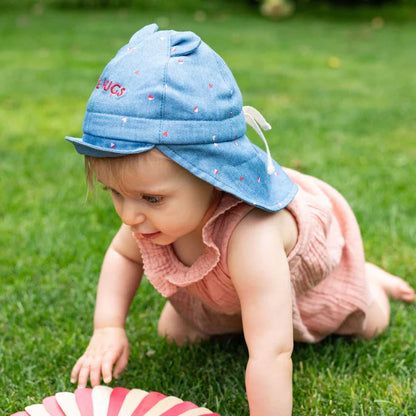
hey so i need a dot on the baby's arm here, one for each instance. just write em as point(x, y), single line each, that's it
point(120, 278)
point(259, 269)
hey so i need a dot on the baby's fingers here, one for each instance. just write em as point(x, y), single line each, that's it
point(121, 363)
point(95, 372)
point(86, 368)
point(83, 375)
point(107, 366)
point(74, 374)
point(76, 369)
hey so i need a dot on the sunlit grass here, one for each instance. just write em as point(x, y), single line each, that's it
point(348, 120)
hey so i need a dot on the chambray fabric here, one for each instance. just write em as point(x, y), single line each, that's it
point(170, 90)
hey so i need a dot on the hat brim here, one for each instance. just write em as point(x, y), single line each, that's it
point(238, 167)
point(103, 147)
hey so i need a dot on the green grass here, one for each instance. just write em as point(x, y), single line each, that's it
point(353, 126)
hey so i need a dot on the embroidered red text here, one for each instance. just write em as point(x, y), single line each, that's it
point(113, 87)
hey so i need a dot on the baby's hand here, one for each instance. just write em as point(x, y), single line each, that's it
point(108, 347)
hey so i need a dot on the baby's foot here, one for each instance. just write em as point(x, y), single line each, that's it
point(398, 289)
point(394, 286)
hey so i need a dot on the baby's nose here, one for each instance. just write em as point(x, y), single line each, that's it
point(131, 215)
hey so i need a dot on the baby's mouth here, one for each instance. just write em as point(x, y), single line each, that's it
point(148, 236)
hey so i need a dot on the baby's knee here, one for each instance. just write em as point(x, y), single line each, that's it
point(174, 328)
point(167, 322)
point(376, 322)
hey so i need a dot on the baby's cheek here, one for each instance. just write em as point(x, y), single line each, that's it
point(117, 209)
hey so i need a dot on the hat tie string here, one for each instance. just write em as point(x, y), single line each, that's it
point(254, 118)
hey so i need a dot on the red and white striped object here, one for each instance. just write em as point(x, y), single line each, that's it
point(105, 401)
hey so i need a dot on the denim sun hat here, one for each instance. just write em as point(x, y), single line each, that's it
point(169, 90)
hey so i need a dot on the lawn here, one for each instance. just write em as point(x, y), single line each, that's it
point(340, 93)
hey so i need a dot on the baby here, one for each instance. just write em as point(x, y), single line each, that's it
point(234, 242)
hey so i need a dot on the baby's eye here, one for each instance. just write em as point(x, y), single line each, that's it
point(152, 199)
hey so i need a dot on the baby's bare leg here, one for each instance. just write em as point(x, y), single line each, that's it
point(174, 328)
point(382, 285)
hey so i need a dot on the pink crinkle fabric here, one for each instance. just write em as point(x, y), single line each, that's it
point(330, 293)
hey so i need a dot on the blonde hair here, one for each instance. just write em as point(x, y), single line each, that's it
point(116, 166)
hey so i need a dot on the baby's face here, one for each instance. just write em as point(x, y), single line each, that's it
point(157, 198)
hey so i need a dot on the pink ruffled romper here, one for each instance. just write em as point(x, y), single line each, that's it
point(330, 294)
